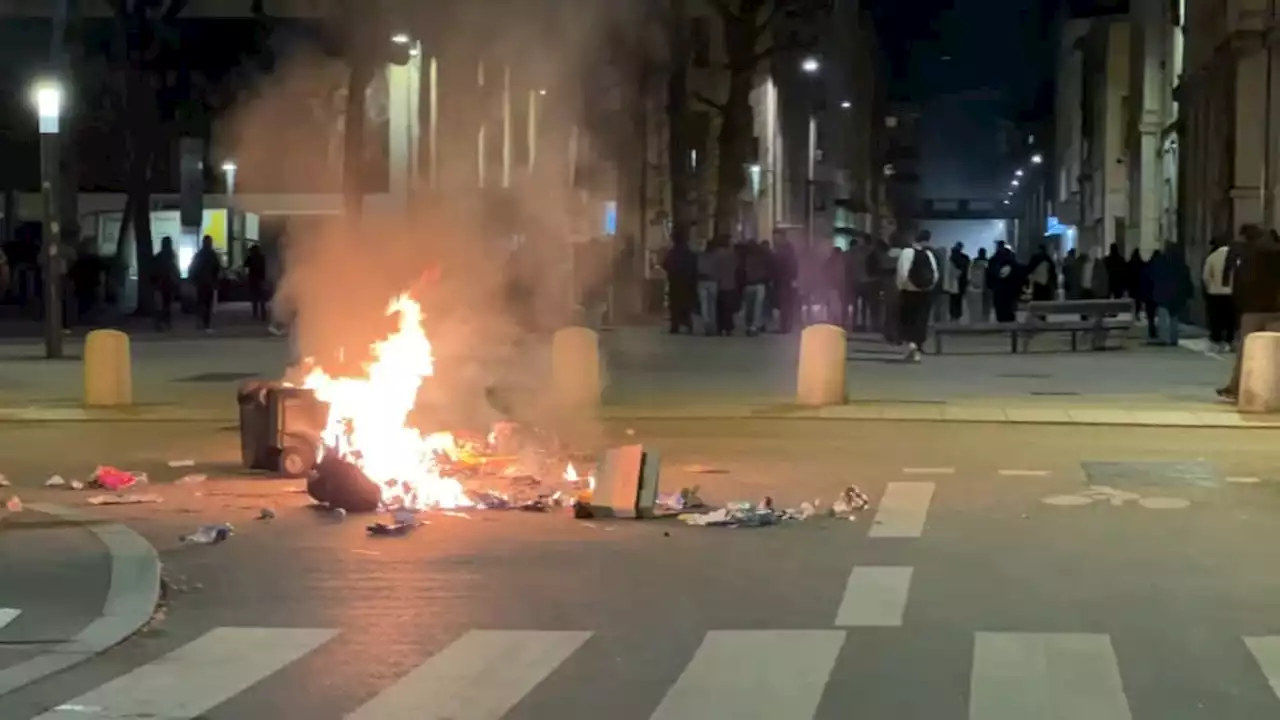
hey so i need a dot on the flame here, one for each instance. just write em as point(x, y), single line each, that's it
point(368, 418)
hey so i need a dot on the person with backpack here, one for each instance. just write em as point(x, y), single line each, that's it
point(916, 280)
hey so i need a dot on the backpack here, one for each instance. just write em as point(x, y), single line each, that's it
point(922, 275)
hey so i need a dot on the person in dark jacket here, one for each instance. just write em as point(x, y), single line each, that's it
point(165, 278)
point(1004, 279)
point(1140, 291)
point(1042, 275)
point(255, 275)
point(1257, 294)
point(755, 280)
point(205, 272)
point(1117, 272)
point(681, 267)
point(1171, 290)
point(785, 269)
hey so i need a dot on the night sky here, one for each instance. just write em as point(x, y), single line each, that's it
point(965, 64)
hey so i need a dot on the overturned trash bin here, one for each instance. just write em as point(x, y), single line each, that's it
point(626, 485)
point(280, 428)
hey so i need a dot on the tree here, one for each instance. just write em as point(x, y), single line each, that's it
point(146, 30)
point(753, 32)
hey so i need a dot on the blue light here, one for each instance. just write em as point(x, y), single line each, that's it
point(610, 217)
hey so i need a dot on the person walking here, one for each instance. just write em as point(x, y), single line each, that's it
point(1170, 291)
point(1004, 278)
point(255, 273)
point(979, 298)
point(1217, 277)
point(205, 272)
point(1256, 289)
point(917, 279)
point(165, 279)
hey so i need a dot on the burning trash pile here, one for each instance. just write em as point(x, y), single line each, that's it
point(372, 458)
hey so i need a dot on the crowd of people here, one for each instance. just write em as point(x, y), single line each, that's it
point(896, 291)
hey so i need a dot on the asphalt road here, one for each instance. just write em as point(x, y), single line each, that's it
point(960, 593)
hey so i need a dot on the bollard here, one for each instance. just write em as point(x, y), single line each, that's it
point(820, 373)
point(1260, 373)
point(575, 370)
point(108, 372)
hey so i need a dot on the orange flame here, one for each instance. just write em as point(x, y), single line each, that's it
point(368, 418)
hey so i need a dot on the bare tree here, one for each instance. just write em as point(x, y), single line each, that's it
point(753, 31)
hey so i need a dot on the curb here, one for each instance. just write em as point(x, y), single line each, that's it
point(131, 600)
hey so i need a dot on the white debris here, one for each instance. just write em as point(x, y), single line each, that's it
point(75, 485)
point(339, 514)
point(182, 463)
point(140, 476)
point(122, 499)
point(55, 481)
point(4, 481)
point(191, 479)
point(13, 504)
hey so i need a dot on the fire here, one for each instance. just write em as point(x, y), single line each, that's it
point(368, 418)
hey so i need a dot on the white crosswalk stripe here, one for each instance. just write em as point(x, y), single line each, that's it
point(903, 510)
point(874, 597)
point(1063, 676)
point(1266, 650)
point(196, 677)
point(479, 677)
point(8, 615)
point(754, 674)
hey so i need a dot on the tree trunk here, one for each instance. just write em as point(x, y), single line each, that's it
point(140, 108)
point(678, 165)
point(732, 145)
point(353, 165)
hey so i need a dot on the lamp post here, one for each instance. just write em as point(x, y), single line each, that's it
point(48, 99)
point(229, 173)
point(810, 66)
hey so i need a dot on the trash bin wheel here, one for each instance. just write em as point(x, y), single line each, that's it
point(295, 462)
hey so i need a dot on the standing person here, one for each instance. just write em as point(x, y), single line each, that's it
point(784, 285)
point(255, 273)
point(979, 299)
point(755, 279)
point(856, 275)
point(1071, 276)
point(1140, 289)
point(1042, 275)
point(956, 279)
point(724, 268)
point(1005, 282)
point(917, 277)
point(1170, 291)
point(707, 289)
point(1257, 294)
point(881, 271)
point(835, 282)
point(165, 278)
point(205, 271)
point(681, 267)
point(1217, 277)
point(1117, 273)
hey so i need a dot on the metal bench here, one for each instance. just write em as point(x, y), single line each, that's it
point(1097, 318)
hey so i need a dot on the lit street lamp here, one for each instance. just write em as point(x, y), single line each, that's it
point(1017, 173)
point(400, 38)
point(846, 104)
point(1015, 183)
point(48, 99)
point(1037, 159)
point(810, 65)
point(229, 173)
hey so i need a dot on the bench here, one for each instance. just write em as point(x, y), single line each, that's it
point(1096, 318)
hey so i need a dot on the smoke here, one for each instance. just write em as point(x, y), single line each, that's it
point(492, 268)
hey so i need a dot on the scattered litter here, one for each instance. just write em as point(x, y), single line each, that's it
point(686, 499)
point(359, 551)
point(113, 479)
point(209, 534)
point(392, 529)
point(700, 469)
point(850, 501)
point(338, 514)
point(76, 485)
point(191, 479)
point(13, 504)
point(182, 463)
point(266, 514)
point(4, 481)
point(141, 477)
point(123, 499)
point(455, 513)
point(630, 432)
point(55, 481)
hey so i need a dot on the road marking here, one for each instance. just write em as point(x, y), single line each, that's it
point(8, 615)
point(874, 597)
point(1266, 651)
point(481, 676)
point(1065, 676)
point(1244, 480)
point(928, 471)
point(1024, 473)
point(902, 510)
point(754, 674)
point(196, 677)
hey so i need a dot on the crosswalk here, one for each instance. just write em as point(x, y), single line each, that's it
point(484, 674)
point(8, 615)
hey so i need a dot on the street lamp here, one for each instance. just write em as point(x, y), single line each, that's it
point(1015, 183)
point(810, 65)
point(229, 173)
point(1037, 159)
point(400, 38)
point(1017, 173)
point(846, 104)
point(48, 97)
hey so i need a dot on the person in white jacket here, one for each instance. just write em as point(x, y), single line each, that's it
point(1217, 281)
point(917, 279)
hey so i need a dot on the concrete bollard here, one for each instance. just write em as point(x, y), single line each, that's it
point(820, 374)
point(575, 370)
point(1260, 373)
point(108, 371)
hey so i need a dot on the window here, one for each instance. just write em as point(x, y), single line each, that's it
point(700, 41)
